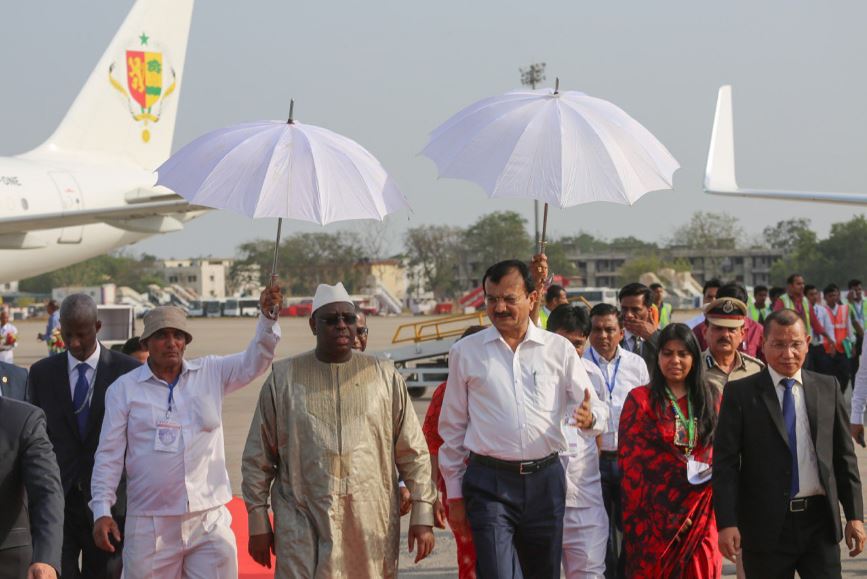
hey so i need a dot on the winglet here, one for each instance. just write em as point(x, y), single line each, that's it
point(720, 172)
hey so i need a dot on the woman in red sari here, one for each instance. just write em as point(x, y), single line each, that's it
point(669, 530)
point(430, 428)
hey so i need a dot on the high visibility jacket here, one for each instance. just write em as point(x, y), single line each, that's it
point(857, 313)
point(841, 329)
point(664, 315)
point(756, 313)
point(787, 301)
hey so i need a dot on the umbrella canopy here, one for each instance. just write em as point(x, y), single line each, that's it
point(285, 170)
point(562, 148)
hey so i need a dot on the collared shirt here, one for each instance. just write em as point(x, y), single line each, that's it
point(859, 391)
point(72, 368)
point(832, 314)
point(581, 462)
point(6, 350)
point(856, 312)
point(509, 405)
point(694, 321)
point(631, 373)
point(751, 344)
point(633, 343)
point(808, 465)
point(820, 313)
point(744, 366)
point(194, 478)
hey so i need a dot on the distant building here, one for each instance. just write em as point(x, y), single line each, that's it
point(749, 267)
point(390, 273)
point(205, 276)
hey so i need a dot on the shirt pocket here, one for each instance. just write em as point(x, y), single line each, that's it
point(545, 391)
point(207, 413)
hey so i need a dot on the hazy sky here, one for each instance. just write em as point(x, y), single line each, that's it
point(385, 73)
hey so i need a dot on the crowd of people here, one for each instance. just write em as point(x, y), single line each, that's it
point(606, 441)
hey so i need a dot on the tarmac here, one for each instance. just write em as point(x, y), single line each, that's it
point(229, 335)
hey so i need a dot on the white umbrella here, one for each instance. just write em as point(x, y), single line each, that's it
point(563, 148)
point(284, 170)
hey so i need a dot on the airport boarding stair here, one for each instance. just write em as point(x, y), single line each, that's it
point(420, 349)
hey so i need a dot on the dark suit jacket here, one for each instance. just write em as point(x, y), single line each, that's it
point(752, 465)
point(13, 381)
point(649, 350)
point(48, 388)
point(27, 464)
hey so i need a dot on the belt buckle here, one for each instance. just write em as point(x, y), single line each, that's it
point(529, 466)
point(794, 505)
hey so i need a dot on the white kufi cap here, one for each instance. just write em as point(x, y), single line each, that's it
point(330, 294)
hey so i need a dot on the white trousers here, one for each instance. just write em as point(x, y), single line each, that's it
point(585, 537)
point(197, 545)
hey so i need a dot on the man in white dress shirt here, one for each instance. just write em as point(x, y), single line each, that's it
point(585, 525)
point(163, 424)
point(621, 371)
point(509, 387)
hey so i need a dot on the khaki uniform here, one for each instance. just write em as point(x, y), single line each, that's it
point(323, 446)
point(744, 366)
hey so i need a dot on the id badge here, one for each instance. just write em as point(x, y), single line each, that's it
point(681, 436)
point(698, 472)
point(167, 437)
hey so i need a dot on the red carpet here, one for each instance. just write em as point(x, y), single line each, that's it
point(247, 567)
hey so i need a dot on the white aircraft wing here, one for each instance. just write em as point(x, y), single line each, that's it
point(153, 217)
point(719, 177)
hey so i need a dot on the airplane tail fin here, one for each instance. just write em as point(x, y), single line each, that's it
point(128, 106)
point(720, 172)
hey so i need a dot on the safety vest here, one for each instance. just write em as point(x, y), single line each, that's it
point(543, 318)
point(841, 329)
point(664, 315)
point(805, 303)
point(757, 314)
point(857, 313)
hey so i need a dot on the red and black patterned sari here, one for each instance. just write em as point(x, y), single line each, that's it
point(669, 530)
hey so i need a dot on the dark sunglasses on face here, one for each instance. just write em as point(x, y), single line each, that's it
point(334, 319)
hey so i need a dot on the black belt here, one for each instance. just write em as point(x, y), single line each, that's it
point(518, 466)
point(608, 454)
point(804, 504)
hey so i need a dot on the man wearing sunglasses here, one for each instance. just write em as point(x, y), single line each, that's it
point(330, 426)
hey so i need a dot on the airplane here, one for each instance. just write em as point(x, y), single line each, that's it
point(90, 187)
point(719, 177)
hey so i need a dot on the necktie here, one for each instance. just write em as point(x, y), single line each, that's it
point(636, 345)
point(79, 399)
point(789, 419)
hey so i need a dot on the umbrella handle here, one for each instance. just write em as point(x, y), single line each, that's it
point(544, 230)
point(275, 311)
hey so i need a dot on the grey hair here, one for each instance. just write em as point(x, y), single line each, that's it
point(78, 308)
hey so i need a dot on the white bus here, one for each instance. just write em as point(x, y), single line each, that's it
point(211, 308)
point(195, 310)
point(231, 308)
point(249, 307)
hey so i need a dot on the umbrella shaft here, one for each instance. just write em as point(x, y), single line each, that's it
point(544, 230)
point(276, 247)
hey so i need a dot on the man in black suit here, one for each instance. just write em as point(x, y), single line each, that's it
point(31, 522)
point(784, 463)
point(641, 335)
point(70, 388)
point(13, 381)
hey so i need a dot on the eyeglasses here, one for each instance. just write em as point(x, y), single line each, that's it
point(334, 319)
point(362, 331)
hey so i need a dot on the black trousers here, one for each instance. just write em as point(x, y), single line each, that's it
point(834, 364)
point(516, 521)
point(78, 542)
point(610, 473)
point(806, 545)
point(14, 562)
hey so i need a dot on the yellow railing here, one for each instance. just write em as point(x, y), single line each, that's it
point(438, 329)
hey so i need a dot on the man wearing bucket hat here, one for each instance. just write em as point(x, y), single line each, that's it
point(330, 427)
point(724, 332)
point(162, 424)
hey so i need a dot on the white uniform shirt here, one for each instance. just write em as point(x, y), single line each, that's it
point(859, 392)
point(89, 373)
point(194, 478)
point(824, 319)
point(808, 465)
point(509, 405)
point(631, 373)
point(581, 462)
point(6, 351)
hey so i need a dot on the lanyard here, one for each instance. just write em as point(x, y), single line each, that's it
point(88, 397)
point(172, 394)
point(689, 426)
point(613, 382)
